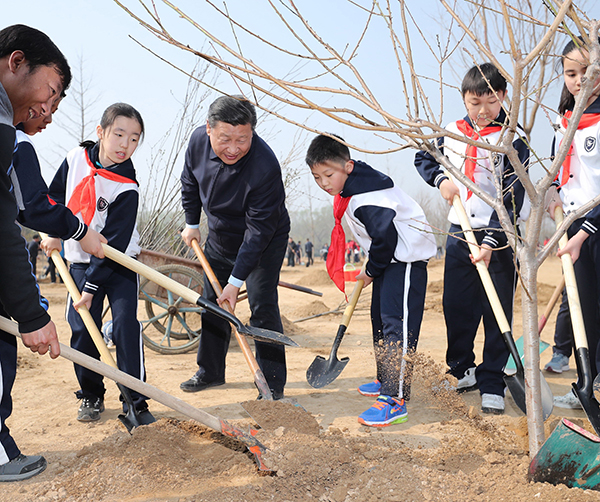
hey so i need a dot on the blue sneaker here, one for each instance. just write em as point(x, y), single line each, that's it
point(386, 411)
point(370, 389)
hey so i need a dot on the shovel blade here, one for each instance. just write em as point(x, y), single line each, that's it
point(590, 406)
point(516, 386)
point(324, 371)
point(570, 456)
point(266, 335)
point(132, 419)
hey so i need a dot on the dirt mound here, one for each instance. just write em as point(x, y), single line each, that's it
point(272, 415)
point(315, 277)
point(544, 293)
point(313, 308)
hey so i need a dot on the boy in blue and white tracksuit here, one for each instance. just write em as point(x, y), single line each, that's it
point(464, 301)
point(392, 229)
point(114, 215)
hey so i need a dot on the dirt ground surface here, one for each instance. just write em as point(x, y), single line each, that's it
point(446, 451)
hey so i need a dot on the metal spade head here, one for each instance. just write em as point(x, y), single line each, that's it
point(260, 334)
point(569, 456)
point(590, 406)
point(324, 371)
point(133, 418)
point(266, 335)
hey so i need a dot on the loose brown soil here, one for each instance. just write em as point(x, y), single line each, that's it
point(446, 451)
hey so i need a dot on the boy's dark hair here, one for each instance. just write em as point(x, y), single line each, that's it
point(324, 148)
point(39, 50)
point(110, 115)
point(483, 79)
point(235, 110)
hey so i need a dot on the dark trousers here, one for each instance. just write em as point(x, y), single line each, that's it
point(465, 304)
point(122, 290)
point(587, 272)
point(8, 372)
point(563, 330)
point(51, 270)
point(261, 286)
point(309, 258)
point(396, 314)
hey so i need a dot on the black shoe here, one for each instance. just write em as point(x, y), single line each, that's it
point(276, 395)
point(195, 384)
point(90, 409)
point(22, 467)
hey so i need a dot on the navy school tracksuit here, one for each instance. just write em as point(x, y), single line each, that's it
point(115, 216)
point(392, 228)
point(579, 186)
point(464, 299)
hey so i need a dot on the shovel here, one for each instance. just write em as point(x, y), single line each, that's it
point(585, 391)
point(263, 335)
point(211, 421)
point(259, 377)
point(133, 418)
point(569, 456)
point(515, 382)
point(324, 371)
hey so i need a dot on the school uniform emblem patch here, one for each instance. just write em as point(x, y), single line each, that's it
point(102, 204)
point(589, 144)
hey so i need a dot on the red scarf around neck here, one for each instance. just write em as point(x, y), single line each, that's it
point(587, 120)
point(469, 132)
point(337, 249)
point(83, 199)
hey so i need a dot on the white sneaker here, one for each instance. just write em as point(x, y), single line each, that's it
point(569, 401)
point(492, 403)
point(468, 382)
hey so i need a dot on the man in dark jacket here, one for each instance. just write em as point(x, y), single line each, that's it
point(33, 73)
point(232, 175)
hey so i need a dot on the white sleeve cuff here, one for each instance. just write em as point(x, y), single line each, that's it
point(187, 225)
point(235, 282)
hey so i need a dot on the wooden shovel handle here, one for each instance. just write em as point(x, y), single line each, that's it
point(259, 378)
point(484, 273)
point(571, 284)
point(349, 310)
point(550, 307)
point(87, 318)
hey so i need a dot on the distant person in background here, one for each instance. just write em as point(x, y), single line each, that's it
point(299, 252)
point(308, 251)
point(33, 247)
point(291, 252)
point(324, 251)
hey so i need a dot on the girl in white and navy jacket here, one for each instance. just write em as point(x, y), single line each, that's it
point(392, 229)
point(97, 182)
point(578, 182)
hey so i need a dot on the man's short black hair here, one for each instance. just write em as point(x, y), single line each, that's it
point(324, 148)
point(483, 79)
point(39, 50)
point(234, 110)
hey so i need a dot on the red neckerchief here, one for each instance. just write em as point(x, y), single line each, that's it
point(83, 198)
point(587, 120)
point(336, 254)
point(469, 132)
